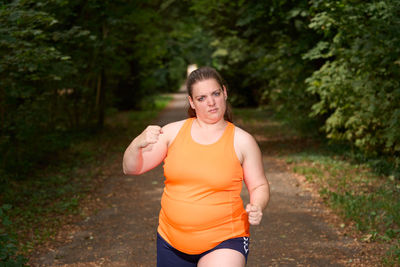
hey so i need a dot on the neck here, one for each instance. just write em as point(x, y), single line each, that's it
point(207, 125)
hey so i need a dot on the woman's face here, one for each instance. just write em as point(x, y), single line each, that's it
point(208, 100)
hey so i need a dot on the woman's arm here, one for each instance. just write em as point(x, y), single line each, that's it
point(146, 151)
point(254, 176)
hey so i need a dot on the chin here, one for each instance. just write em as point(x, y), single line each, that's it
point(214, 119)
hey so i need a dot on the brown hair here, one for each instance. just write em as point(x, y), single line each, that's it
point(201, 74)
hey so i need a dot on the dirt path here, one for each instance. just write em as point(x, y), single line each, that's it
point(294, 231)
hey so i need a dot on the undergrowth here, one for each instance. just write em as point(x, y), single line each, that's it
point(364, 191)
point(37, 205)
point(9, 255)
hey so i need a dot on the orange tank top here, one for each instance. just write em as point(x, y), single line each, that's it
point(201, 204)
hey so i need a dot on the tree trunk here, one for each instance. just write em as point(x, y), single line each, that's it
point(101, 82)
point(100, 97)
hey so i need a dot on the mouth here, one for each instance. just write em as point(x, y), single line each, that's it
point(214, 110)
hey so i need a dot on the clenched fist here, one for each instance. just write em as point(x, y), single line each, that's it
point(149, 136)
point(254, 213)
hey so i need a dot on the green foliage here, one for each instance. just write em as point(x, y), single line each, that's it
point(30, 72)
point(259, 51)
point(8, 244)
point(358, 86)
point(393, 255)
point(360, 196)
point(367, 201)
point(52, 196)
point(329, 65)
point(66, 62)
point(319, 64)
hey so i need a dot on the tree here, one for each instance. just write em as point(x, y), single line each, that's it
point(358, 86)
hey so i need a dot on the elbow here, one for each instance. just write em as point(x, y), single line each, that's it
point(131, 172)
point(129, 167)
point(125, 171)
point(128, 171)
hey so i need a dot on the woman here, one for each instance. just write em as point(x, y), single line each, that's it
point(202, 219)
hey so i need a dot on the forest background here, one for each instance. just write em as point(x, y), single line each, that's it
point(329, 68)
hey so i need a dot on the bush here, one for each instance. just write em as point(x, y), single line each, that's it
point(8, 243)
point(358, 86)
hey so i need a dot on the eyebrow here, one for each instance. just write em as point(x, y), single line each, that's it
point(218, 90)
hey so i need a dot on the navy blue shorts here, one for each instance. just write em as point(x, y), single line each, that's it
point(168, 256)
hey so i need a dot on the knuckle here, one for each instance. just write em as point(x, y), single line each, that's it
point(152, 127)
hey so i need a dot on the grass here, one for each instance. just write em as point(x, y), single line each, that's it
point(38, 206)
point(368, 201)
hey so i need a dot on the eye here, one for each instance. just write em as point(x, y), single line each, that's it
point(217, 93)
point(200, 98)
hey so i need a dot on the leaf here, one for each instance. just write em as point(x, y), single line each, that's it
point(6, 207)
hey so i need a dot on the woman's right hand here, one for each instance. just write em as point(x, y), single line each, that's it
point(149, 136)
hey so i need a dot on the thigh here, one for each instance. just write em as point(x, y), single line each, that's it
point(232, 252)
point(223, 257)
point(168, 256)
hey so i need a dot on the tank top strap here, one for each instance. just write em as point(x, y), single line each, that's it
point(231, 129)
point(229, 133)
point(183, 132)
point(186, 127)
point(184, 136)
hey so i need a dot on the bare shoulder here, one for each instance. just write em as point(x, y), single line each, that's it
point(244, 144)
point(243, 138)
point(171, 130)
point(176, 125)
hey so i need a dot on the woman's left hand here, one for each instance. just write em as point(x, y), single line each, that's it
point(254, 213)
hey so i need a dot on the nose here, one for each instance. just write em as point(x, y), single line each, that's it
point(211, 101)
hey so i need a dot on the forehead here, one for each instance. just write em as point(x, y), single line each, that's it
point(205, 87)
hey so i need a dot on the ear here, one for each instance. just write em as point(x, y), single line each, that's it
point(191, 102)
point(225, 93)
